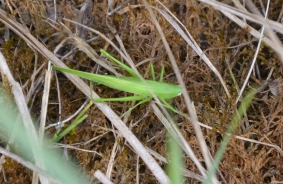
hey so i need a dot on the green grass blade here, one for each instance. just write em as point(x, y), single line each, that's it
point(233, 125)
point(128, 69)
point(175, 160)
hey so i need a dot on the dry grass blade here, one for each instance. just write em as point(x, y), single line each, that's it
point(85, 17)
point(84, 47)
point(199, 134)
point(173, 130)
point(45, 99)
point(249, 140)
point(254, 59)
point(26, 163)
point(101, 177)
point(123, 54)
point(262, 143)
point(186, 173)
point(191, 42)
point(228, 10)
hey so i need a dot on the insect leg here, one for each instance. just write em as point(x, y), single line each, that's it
point(172, 108)
point(152, 71)
point(123, 99)
point(128, 69)
point(162, 74)
point(141, 102)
